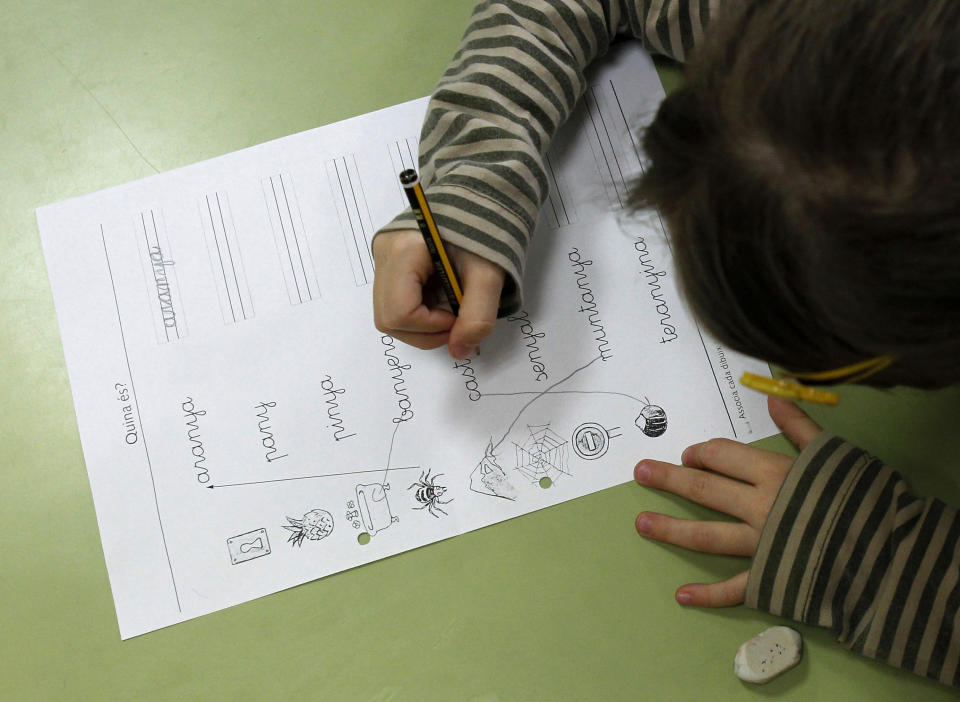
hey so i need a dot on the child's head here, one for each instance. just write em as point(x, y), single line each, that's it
point(809, 173)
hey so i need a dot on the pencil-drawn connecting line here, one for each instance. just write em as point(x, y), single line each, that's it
point(290, 238)
point(226, 261)
point(163, 288)
point(313, 477)
point(537, 396)
point(403, 155)
point(544, 453)
point(652, 419)
point(346, 188)
point(609, 136)
point(560, 200)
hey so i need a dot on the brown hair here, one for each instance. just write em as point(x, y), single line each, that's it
point(809, 174)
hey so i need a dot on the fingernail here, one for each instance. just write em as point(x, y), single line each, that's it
point(644, 524)
point(461, 351)
point(685, 455)
point(642, 472)
point(684, 598)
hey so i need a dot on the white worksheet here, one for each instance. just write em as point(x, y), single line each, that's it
point(247, 429)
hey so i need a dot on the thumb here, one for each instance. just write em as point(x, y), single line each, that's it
point(478, 309)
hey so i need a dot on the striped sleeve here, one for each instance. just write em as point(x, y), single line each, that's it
point(513, 82)
point(847, 547)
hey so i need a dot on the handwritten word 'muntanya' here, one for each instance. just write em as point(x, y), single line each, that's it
point(399, 386)
point(579, 266)
point(649, 271)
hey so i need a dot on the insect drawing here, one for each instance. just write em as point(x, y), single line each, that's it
point(428, 494)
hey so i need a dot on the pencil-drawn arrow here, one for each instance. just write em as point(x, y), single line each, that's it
point(310, 477)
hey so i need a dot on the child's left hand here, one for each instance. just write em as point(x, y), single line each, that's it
point(730, 477)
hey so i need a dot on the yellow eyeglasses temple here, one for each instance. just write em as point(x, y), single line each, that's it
point(784, 387)
point(781, 387)
point(849, 374)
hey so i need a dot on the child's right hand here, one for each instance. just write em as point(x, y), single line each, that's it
point(403, 267)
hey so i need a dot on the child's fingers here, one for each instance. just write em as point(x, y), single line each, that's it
point(737, 460)
point(422, 340)
point(482, 283)
point(726, 593)
point(403, 267)
point(727, 538)
point(793, 421)
point(704, 488)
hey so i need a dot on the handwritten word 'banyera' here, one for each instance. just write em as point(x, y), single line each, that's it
point(532, 339)
point(399, 386)
point(653, 276)
point(579, 266)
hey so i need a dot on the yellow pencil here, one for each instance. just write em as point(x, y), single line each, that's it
point(431, 236)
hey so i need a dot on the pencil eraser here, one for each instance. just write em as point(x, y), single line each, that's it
point(768, 654)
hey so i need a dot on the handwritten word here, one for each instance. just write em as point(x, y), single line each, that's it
point(159, 266)
point(266, 437)
point(399, 388)
point(466, 370)
point(129, 426)
point(649, 270)
point(587, 297)
point(333, 408)
point(193, 436)
point(531, 338)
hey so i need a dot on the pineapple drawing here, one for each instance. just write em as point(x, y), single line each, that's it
point(315, 525)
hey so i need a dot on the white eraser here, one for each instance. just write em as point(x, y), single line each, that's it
point(768, 654)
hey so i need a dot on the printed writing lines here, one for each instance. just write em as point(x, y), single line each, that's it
point(606, 139)
point(290, 239)
point(226, 260)
point(163, 292)
point(402, 156)
point(561, 204)
point(346, 188)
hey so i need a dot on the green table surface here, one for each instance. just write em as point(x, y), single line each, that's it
point(564, 604)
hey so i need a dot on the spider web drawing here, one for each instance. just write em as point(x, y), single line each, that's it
point(543, 454)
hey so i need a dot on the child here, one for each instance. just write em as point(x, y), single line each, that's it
point(809, 175)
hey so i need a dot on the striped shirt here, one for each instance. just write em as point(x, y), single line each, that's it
point(845, 546)
point(516, 77)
